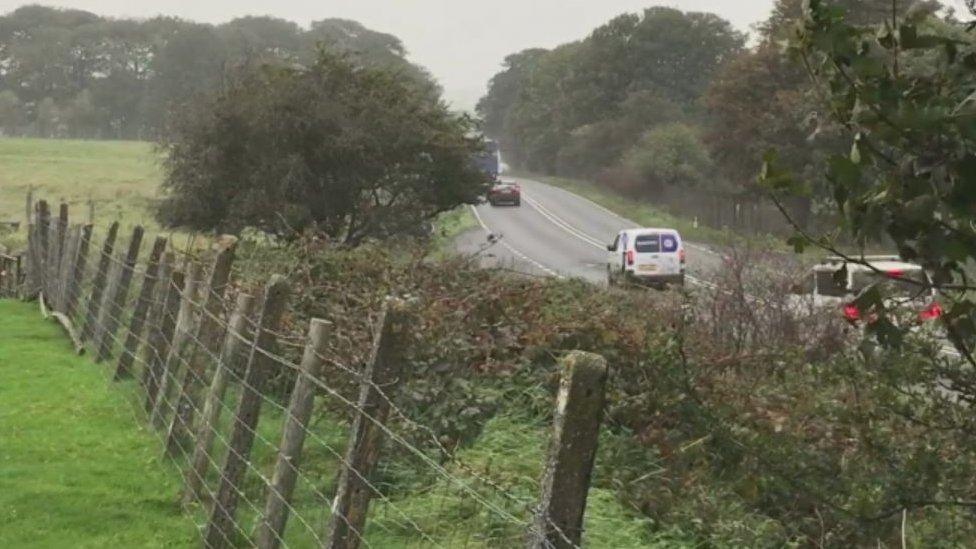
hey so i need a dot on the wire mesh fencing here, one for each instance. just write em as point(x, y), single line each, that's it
point(331, 461)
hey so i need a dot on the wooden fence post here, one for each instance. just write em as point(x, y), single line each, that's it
point(566, 480)
point(220, 528)
point(39, 255)
point(62, 233)
point(207, 341)
point(185, 322)
point(78, 271)
point(348, 519)
point(138, 322)
point(116, 305)
point(67, 263)
point(51, 262)
point(161, 332)
point(272, 527)
point(230, 356)
point(98, 285)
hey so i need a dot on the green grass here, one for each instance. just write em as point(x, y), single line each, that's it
point(76, 468)
point(448, 227)
point(121, 179)
point(643, 213)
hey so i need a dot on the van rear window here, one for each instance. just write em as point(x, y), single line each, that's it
point(669, 243)
point(647, 243)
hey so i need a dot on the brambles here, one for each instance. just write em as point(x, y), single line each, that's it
point(730, 421)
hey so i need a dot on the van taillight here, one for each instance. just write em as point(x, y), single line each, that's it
point(681, 255)
point(630, 257)
point(931, 312)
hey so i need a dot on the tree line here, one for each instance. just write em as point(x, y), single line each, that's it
point(668, 98)
point(71, 73)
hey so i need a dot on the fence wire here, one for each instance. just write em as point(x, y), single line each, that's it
point(421, 496)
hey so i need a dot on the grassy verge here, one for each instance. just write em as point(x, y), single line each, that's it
point(77, 469)
point(646, 214)
point(448, 227)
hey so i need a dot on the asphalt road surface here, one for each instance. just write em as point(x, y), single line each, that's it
point(558, 233)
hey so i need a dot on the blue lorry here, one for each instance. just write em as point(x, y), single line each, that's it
point(488, 160)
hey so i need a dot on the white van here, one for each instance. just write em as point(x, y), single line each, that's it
point(651, 256)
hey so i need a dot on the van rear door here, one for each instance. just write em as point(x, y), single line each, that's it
point(656, 254)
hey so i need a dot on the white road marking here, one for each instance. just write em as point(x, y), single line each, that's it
point(634, 225)
point(580, 235)
point(515, 252)
point(562, 224)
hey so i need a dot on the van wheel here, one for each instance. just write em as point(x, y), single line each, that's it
point(518, 202)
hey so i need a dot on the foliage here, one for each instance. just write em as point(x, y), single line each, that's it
point(729, 423)
point(903, 95)
point(76, 74)
point(760, 100)
point(347, 151)
point(579, 107)
point(669, 155)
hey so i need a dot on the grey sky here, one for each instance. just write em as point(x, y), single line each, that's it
point(462, 42)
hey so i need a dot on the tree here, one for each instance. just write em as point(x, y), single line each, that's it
point(903, 95)
point(349, 151)
point(579, 107)
point(671, 154)
point(11, 113)
point(132, 72)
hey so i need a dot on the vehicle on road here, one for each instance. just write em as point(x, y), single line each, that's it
point(837, 283)
point(655, 257)
point(488, 160)
point(505, 192)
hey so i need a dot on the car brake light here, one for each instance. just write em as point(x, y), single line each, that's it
point(851, 313)
point(894, 273)
point(931, 312)
point(630, 257)
point(681, 255)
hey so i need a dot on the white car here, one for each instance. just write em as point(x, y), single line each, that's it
point(908, 284)
point(650, 256)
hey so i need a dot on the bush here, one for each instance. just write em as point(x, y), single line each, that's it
point(672, 154)
point(348, 152)
point(730, 422)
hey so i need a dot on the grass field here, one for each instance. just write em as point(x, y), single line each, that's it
point(76, 468)
point(120, 177)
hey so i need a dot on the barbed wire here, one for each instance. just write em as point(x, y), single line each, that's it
point(193, 306)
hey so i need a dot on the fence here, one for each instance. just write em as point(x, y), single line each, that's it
point(742, 212)
point(199, 349)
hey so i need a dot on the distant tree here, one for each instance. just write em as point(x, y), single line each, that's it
point(80, 116)
point(12, 115)
point(133, 72)
point(504, 89)
point(349, 151)
point(47, 122)
point(577, 108)
point(671, 155)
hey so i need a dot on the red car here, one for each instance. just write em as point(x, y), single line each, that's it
point(505, 192)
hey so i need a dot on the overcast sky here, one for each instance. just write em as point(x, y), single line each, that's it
point(462, 42)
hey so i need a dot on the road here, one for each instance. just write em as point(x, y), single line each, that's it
point(558, 233)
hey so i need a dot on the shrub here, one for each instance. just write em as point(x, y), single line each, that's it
point(672, 154)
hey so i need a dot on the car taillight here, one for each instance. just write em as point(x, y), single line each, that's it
point(681, 255)
point(931, 312)
point(851, 312)
point(895, 273)
point(630, 257)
